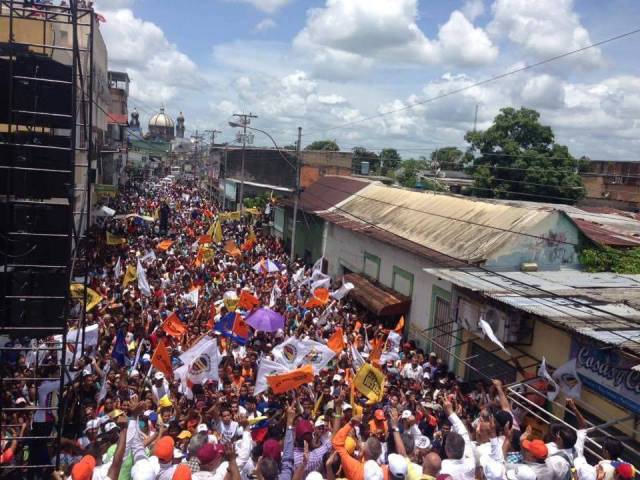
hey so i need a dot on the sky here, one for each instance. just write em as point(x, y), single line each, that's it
point(367, 72)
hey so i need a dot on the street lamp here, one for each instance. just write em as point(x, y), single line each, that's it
point(296, 167)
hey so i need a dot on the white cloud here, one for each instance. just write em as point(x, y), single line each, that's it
point(544, 28)
point(268, 6)
point(157, 68)
point(264, 25)
point(112, 4)
point(362, 31)
point(472, 9)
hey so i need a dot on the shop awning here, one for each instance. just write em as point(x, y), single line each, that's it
point(376, 298)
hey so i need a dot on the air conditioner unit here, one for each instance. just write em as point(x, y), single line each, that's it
point(508, 328)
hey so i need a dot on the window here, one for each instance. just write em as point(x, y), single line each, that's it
point(402, 281)
point(441, 323)
point(278, 219)
point(371, 266)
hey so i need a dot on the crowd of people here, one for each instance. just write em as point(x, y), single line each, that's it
point(127, 415)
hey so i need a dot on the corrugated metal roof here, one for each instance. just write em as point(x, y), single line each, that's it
point(327, 192)
point(596, 305)
point(460, 227)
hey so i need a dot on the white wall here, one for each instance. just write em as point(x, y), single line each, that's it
point(344, 247)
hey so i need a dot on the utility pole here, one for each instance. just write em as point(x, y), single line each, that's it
point(244, 121)
point(296, 197)
point(213, 135)
point(475, 119)
point(208, 162)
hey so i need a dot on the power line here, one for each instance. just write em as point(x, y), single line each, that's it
point(535, 299)
point(483, 82)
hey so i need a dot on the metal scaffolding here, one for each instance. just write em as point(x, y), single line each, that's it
point(46, 150)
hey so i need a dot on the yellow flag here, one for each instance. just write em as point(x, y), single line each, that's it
point(115, 239)
point(130, 275)
point(370, 382)
point(93, 297)
point(217, 232)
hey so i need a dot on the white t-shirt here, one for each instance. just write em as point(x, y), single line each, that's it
point(219, 474)
point(231, 431)
point(47, 397)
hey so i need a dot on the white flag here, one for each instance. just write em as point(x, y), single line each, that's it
point(275, 295)
point(298, 276)
point(393, 342)
point(193, 296)
point(568, 379)
point(322, 282)
point(553, 389)
point(143, 285)
point(488, 331)
point(204, 364)
point(358, 361)
point(74, 337)
point(317, 267)
point(290, 353)
point(265, 368)
point(319, 355)
point(118, 269)
point(103, 388)
point(149, 256)
point(342, 292)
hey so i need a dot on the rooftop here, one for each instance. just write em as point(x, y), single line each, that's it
point(603, 306)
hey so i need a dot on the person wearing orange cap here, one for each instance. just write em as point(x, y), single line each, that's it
point(378, 425)
point(534, 454)
point(182, 472)
point(164, 451)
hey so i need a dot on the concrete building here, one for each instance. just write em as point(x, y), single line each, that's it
point(612, 184)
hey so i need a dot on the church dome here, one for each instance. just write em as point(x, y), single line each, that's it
point(180, 118)
point(161, 120)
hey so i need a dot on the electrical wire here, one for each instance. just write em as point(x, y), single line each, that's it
point(484, 82)
point(589, 306)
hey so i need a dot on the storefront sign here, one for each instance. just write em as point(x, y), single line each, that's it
point(101, 191)
point(607, 372)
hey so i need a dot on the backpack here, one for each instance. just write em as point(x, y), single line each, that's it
point(571, 474)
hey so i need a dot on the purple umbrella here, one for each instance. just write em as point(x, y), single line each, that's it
point(265, 320)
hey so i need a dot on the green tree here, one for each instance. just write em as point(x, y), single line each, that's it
point(450, 158)
point(323, 145)
point(390, 160)
point(361, 154)
point(291, 147)
point(519, 159)
point(409, 175)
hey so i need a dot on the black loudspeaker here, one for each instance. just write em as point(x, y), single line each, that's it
point(33, 217)
point(33, 313)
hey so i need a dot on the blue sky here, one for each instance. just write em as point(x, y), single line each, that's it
point(325, 63)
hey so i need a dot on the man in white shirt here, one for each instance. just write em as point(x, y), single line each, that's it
point(460, 462)
point(229, 429)
point(561, 453)
point(412, 370)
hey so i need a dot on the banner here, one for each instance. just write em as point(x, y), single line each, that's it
point(130, 275)
point(143, 284)
point(342, 292)
point(488, 331)
point(164, 245)
point(93, 297)
point(173, 327)
point(192, 297)
point(370, 382)
point(248, 300)
point(149, 256)
point(553, 389)
point(161, 360)
point(267, 368)
point(115, 239)
point(203, 366)
point(232, 249)
point(290, 353)
point(117, 271)
point(319, 355)
point(336, 342)
point(568, 380)
point(286, 382)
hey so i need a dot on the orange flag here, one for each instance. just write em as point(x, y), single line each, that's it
point(291, 380)
point(173, 327)
point(204, 239)
point(336, 342)
point(232, 249)
point(399, 326)
point(320, 298)
point(165, 245)
point(161, 360)
point(247, 300)
point(240, 327)
point(248, 245)
point(375, 353)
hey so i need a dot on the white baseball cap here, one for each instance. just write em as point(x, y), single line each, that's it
point(92, 425)
point(422, 442)
point(406, 414)
point(158, 376)
point(202, 428)
point(109, 426)
point(320, 421)
point(337, 378)
point(521, 472)
point(372, 471)
point(398, 465)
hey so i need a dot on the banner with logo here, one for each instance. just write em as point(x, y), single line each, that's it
point(265, 369)
point(319, 355)
point(285, 382)
point(609, 373)
point(291, 352)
